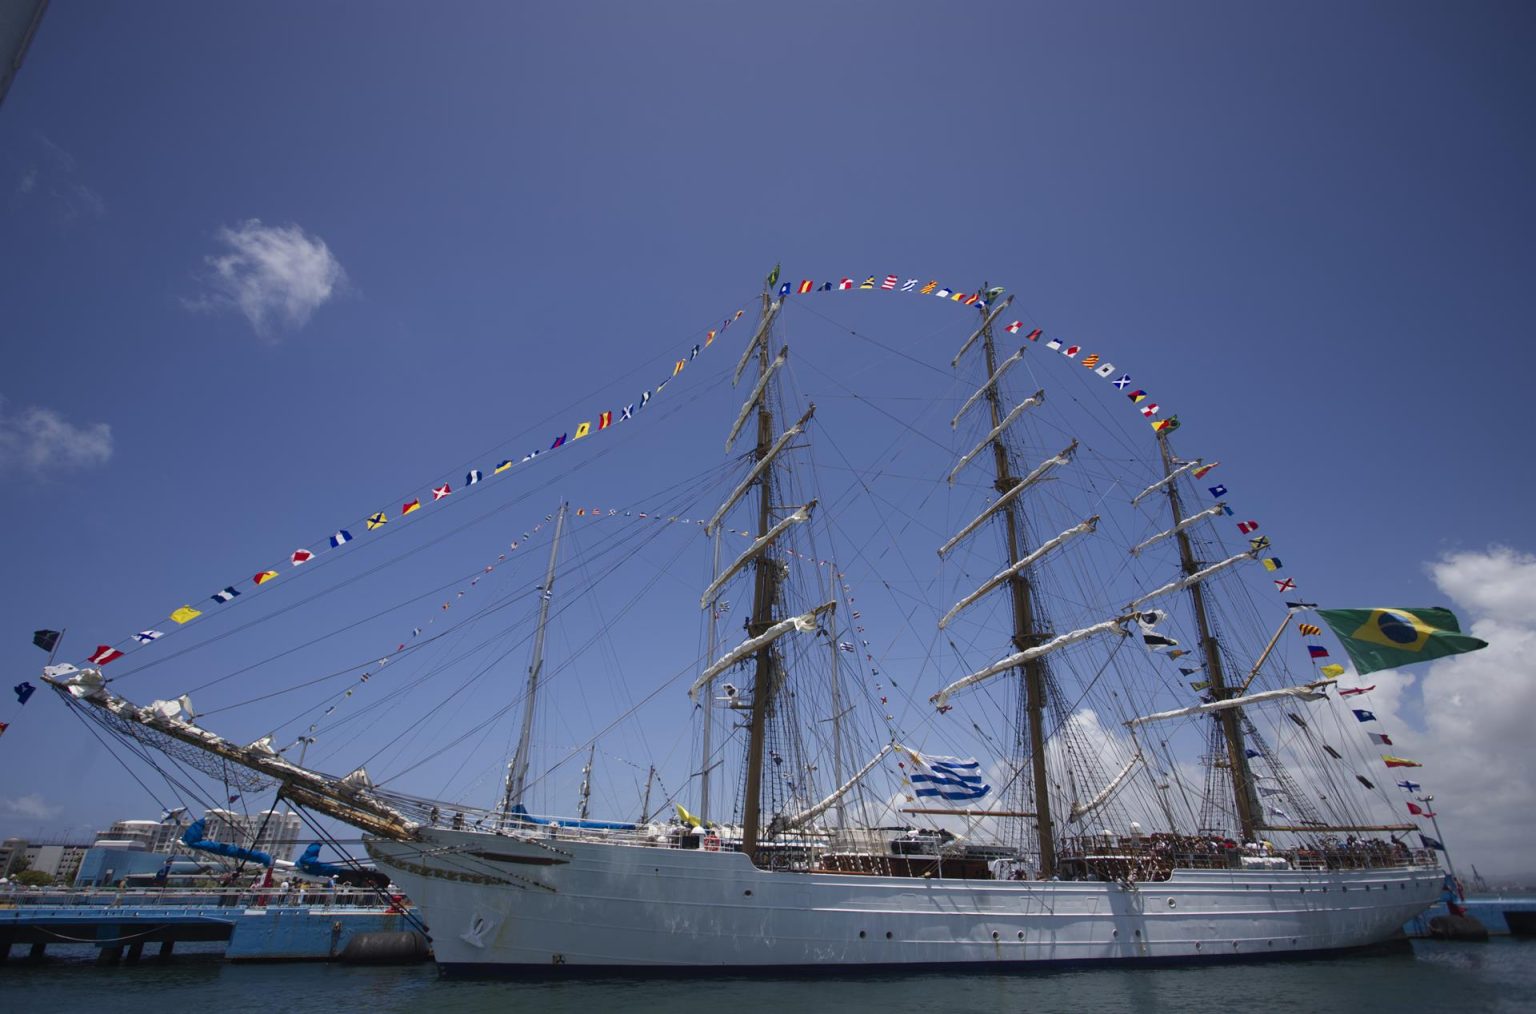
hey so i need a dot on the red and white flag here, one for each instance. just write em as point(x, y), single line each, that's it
point(105, 653)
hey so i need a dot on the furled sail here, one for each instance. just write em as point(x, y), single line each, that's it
point(981, 330)
point(757, 393)
point(1305, 693)
point(811, 813)
point(351, 799)
point(1165, 480)
point(1080, 810)
point(804, 623)
point(1003, 575)
point(1033, 401)
point(753, 551)
point(997, 375)
point(1116, 626)
point(757, 469)
point(1192, 579)
point(1029, 480)
point(1194, 519)
point(760, 335)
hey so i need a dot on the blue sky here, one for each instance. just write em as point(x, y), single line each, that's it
point(265, 270)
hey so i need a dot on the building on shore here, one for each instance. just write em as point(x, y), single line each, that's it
point(137, 847)
point(60, 860)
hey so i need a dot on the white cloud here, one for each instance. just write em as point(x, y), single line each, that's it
point(33, 806)
point(1474, 733)
point(53, 178)
point(276, 276)
point(41, 439)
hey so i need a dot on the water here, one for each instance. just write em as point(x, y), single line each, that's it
point(1496, 976)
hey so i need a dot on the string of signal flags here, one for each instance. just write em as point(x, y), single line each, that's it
point(595, 423)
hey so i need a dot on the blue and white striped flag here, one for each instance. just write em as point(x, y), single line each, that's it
point(473, 477)
point(340, 537)
point(951, 778)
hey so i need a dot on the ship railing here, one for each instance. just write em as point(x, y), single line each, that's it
point(310, 897)
point(786, 850)
point(1108, 851)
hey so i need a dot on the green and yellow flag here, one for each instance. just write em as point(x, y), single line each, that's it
point(1387, 638)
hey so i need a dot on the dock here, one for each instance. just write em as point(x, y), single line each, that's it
point(122, 926)
point(1501, 916)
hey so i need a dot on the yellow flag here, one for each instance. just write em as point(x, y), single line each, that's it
point(583, 430)
point(1332, 672)
point(186, 614)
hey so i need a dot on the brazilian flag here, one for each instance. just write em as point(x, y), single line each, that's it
point(1387, 638)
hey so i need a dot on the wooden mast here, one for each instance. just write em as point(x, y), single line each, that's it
point(1024, 633)
point(764, 597)
point(1210, 651)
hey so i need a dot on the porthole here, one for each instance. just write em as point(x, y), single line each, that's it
point(887, 934)
point(1172, 903)
point(1021, 934)
point(994, 934)
point(861, 934)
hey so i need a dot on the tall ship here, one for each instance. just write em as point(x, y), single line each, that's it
point(1062, 721)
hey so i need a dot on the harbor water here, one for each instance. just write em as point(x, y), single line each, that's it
point(1427, 975)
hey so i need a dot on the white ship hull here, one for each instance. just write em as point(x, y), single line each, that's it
point(499, 905)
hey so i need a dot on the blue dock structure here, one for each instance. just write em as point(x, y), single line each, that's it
point(1500, 915)
point(264, 926)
